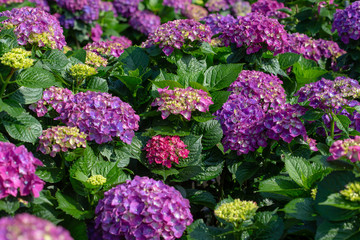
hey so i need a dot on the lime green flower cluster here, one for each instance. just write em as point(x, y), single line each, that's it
point(17, 58)
point(237, 211)
point(313, 193)
point(96, 180)
point(82, 71)
point(352, 192)
point(95, 60)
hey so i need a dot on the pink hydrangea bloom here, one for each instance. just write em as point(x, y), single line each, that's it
point(348, 148)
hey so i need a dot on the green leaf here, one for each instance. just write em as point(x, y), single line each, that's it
point(195, 147)
point(79, 54)
point(167, 83)
point(166, 172)
point(245, 170)
point(286, 60)
point(111, 171)
point(72, 207)
point(221, 76)
point(11, 107)
point(339, 201)
point(186, 173)
point(55, 59)
point(346, 230)
point(50, 172)
point(219, 98)
point(132, 83)
point(24, 127)
point(97, 84)
point(212, 165)
point(269, 226)
point(272, 66)
point(281, 185)
point(78, 229)
point(312, 115)
point(203, 117)
point(201, 197)
point(198, 230)
point(189, 69)
point(211, 132)
point(134, 58)
point(10, 205)
point(301, 208)
point(26, 95)
point(306, 73)
point(36, 77)
point(342, 122)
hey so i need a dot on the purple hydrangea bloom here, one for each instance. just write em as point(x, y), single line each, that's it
point(35, 26)
point(241, 119)
point(67, 23)
point(348, 148)
point(174, 34)
point(142, 209)
point(269, 8)
point(126, 7)
point(90, 12)
point(217, 5)
point(283, 122)
point(17, 171)
point(72, 5)
point(114, 47)
point(218, 23)
point(145, 22)
point(264, 88)
point(107, 7)
point(29, 227)
point(241, 8)
point(8, 2)
point(96, 33)
point(347, 22)
point(182, 101)
point(193, 11)
point(176, 4)
point(41, 4)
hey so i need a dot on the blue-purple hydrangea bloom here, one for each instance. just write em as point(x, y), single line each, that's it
point(269, 8)
point(176, 4)
point(145, 22)
point(142, 209)
point(126, 8)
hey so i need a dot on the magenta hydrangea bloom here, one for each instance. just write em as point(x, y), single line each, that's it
point(217, 5)
point(145, 22)
point(269, 8)
point(41, 4)
point(193, 11)
point(176, 4)
point(218, 22)
point(29, 227)
point(142, 209)
point(165, 150)
point(348, 148)
point(114, 47)
point(126, 7)
point(72, 5)
point(264, 88)
point(174, 34)
point(35, 26)
point(182, 101)
point(61, 139)
point(347, 22)
point(89, 8)
point(96, 33)
point(17, 171)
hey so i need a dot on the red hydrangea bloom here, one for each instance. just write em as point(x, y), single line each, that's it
point(17, 171)
point(348, 148)
point(165, 150)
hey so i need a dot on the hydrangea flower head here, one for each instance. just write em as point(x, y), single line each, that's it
point(82, 71)
point(260, 86)
point(352, 192)
point(142, 209)
point(114, 47)
point(60, 139)
point(89, 8)
point(96, 33)
point(96, 180)
point(241, 8)
point(237, 211)
point(174, 34)
point(35, 26)
point(72, 5)
point(17, 58)
point(217, 5)
point(107, 7)
point(348, 148)
point(126, 7)
point(193, 11)
point(218, 23)
point(95, 60)
point(269, 8)
point(177, 4)
point(165, 150)
point(347, 22)
point(29, 227)
point(182, 101)
point(17, 171)
point(145, 22)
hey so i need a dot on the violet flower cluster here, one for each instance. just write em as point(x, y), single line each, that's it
point(241, 8)
point(114, 47)
point(142, 209)
point(72, 5)
point(314, 49)
point(89, 8)
point(328, 95)
point(217, 5)
point(126, 8)
point(107, 7)
point(145, 22)
point(256, 111)
point(347, 22)
point(193, 11)
point(177, 4)
point(182, 101)
point(218, 23)
point(35, 26)
point(348, 148)
point(96, 33)
point(61, 139)
point(17, 171)
point(269, 8)
point(41, 4)
point(165, 150)
point(28, 227)
point(99, 115)
point(174, 34)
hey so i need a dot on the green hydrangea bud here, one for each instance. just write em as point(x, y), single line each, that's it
point(96, 180)
point(95, 60)
point(237, 211)
point(313, 193)
point(352, 192)
point(82, 71)
point(17, 58)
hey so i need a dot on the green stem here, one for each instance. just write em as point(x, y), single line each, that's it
point(332, 125)
point(6, 83)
